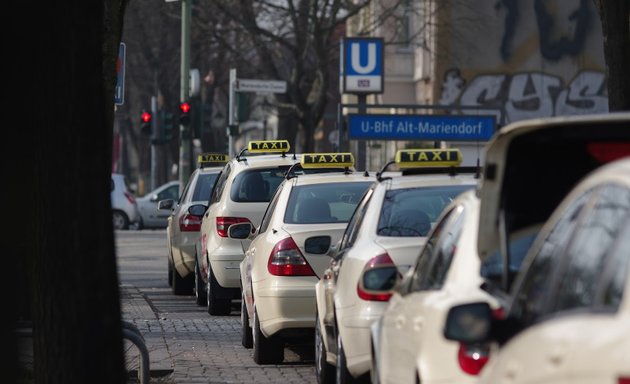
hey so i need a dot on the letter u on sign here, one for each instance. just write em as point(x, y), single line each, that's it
point(355, 58)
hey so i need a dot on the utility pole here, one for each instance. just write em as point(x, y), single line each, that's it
point(155, 134)
point(185, 136)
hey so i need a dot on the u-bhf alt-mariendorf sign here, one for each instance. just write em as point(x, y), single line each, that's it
point(421, 127)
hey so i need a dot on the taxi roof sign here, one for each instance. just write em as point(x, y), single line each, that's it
point(327, 160)
point(212, 159)
point(267, 146)
point(415, 158)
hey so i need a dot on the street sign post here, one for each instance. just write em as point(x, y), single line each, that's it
point(421, 127)
point(362, 69)
point(260, 86)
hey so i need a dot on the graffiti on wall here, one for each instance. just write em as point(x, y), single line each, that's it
point(560, 33)
point(524, 95)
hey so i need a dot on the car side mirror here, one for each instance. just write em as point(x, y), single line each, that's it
point(240, 231)
point(469, 323)
point(197, 210)
point(166, 204)
point(318, 245)
point(154, 197)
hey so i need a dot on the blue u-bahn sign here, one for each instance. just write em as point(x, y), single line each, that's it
point(362, 65)
point(421, 127)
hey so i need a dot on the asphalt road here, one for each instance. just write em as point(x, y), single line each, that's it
point(185, 343)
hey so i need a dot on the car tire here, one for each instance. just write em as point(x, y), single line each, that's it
point(200, 287)
point(182, 285)
point(324, 371)
point(169, 272)
point(266, 350)
point(216, 306)
point(342, 375)
point(247, 338)
point(120, 220)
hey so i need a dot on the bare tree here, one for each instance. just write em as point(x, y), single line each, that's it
point(67, 280)
point(615, 17)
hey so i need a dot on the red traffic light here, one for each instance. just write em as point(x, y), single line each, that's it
point(146, 117)
point(184, 107)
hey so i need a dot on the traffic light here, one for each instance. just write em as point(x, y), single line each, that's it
point(145, 123)
point(168, 126)
point(184, 113)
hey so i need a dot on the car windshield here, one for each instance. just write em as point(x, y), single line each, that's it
point(411, 212)
point(324, 203)
point(205, 182)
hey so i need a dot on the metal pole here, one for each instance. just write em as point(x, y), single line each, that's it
point(154, 134)
point(361, 163)
point(231, 108)
point(185, 136)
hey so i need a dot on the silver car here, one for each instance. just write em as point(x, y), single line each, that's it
point(124, 206)
point(150, 216)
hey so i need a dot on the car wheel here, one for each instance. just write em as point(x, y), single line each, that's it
point(200, 287)
point(120, 220)
point(266, 350)
point(324, 371)
point(216, 306)
point(170, 273)
point(342, 374)
point(247, 339)
point(182, 285)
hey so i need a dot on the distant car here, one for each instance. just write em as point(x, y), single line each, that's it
point(184, 223)
point(125, 211)
point(388, 228)
point(569, 321)
point(289, 252)
point(150, 216)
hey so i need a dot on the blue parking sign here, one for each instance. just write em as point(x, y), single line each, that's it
point(362, 65)
point(119, 90)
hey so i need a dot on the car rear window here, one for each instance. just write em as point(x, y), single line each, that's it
point(411, 212)
point(203, 188)
point(324, 203)
point(256, 185)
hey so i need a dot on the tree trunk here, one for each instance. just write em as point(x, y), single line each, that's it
point(615, 17)
point(66, 241)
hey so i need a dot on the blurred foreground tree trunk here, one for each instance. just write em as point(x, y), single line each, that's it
point(66, 282)
point(615, 17)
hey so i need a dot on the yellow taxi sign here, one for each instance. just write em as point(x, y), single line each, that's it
point(327, 160)
point(414, 158)
point(259, 146)
point(212, 159)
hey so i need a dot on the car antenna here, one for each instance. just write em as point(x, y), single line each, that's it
point(238, 157)
point(379, 175)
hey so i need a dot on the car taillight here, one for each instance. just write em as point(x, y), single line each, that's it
point(287, 260)
point(223, 223)
point(623, 380)
point(130, 198)
point(378, 279)
point(190, 223)
point(472, 358)
point(607, 152)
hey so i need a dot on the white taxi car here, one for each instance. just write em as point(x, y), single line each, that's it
point(289, 253)
point(407, 341)
point(388, 228)
point(566, 150)
point(240, 195)
point(569, 322)
point(184, 223)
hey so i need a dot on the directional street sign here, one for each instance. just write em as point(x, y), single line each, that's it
point(260, 86)
point(421, 127)
point(119, 90)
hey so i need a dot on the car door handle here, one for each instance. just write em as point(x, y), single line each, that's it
point(400, 321)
